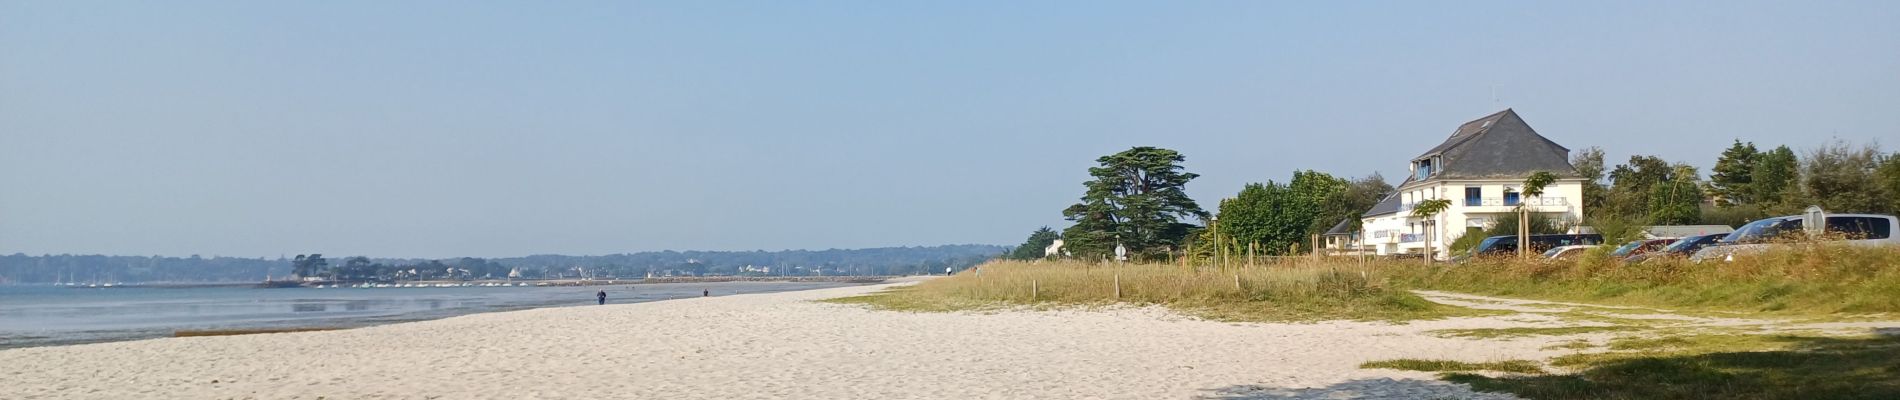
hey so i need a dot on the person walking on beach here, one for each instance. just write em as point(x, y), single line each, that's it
point(705, 293)
point(602, 296)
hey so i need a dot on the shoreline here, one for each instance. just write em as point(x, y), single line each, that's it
point(31, 339)
point(857, 279)
point(774, 345)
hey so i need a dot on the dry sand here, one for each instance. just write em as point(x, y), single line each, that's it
point(779, 345)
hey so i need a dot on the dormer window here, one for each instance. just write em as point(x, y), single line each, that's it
point(1425, 168)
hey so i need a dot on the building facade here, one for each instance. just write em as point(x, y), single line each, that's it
point(1481, 169)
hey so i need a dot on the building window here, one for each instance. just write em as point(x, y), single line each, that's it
point(1424, 169)
point(1474, 196)
point(1510, 197)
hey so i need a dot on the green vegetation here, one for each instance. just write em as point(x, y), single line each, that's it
point(1813, 278)
point(1137, 200)
point(1578, 344)
point(1805, 280)
point(1279, 219)
point(1256, 294)
point(1718, 367)
point(1408, 364)
point(1522, 332)
point(1032, 248)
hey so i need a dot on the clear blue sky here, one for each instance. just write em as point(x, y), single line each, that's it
point(436, 129)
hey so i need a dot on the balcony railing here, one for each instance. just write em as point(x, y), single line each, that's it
point(1411, 237)
point(1534, 202)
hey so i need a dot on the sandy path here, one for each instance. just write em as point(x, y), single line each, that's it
point(777, 345)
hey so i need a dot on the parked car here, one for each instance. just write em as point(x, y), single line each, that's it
point(1759, 236)
point(1503, 245)
point(1641, 246)
point(1683, 247)
point(1567, 252)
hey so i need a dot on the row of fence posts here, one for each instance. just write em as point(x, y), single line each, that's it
point(1224, 260)
point(1035, 287)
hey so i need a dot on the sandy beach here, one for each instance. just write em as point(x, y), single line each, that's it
point(779, 345)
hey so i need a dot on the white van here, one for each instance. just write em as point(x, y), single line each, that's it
point(1864, 229)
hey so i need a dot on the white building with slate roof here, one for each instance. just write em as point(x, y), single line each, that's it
point(1481, 169)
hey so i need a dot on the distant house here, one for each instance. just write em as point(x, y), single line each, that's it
point(1481, 169)
point(1054, 249)
point(1343, 238)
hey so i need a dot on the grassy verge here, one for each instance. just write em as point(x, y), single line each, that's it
point(1717, 367)
point(1811, 280)
point(1805, 279)
point(1258, 294)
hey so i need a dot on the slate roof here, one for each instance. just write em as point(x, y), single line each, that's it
point(1343, 228)
point(1500, 145)
point(1388, 205)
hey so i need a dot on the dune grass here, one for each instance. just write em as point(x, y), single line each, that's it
point(1813, 279)
point(1256, 294)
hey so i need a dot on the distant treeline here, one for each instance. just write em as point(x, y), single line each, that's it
point(22, 268)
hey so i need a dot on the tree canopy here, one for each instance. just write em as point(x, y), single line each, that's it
point(1654, 190)
point(1033, 247)
point(1277, 217)
point(1773, 177)
point(1733, 176)
point(1138, 199)
point(1589, 163)
point(1843, 178)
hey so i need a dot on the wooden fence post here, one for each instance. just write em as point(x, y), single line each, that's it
point(1315, 246)
point(1250, 254)
point(1034, 291)
point(1118, 286)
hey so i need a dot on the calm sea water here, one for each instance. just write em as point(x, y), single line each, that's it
point(46, 315)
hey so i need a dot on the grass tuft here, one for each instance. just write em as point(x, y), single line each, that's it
point(1524, 332)
point(1411, 364)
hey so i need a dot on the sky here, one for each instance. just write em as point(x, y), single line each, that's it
point(489, 129)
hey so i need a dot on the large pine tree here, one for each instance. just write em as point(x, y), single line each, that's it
point(1138, 199)
point(1731, 179)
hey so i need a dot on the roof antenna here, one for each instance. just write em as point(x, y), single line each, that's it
point(1494, 96)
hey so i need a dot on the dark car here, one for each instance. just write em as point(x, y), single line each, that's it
point(1640, 247)
point(1503, 245)
point(1681, 248)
